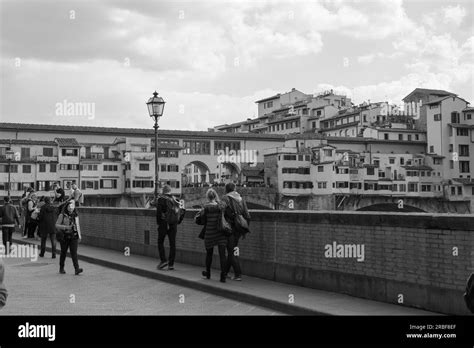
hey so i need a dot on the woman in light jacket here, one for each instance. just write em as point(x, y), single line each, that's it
point(69, 235)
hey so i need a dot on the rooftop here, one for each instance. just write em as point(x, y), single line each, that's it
point(141, 132)
point(67, 142)
point(439, 92)
point(27, 142)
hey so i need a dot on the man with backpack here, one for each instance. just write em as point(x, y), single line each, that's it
point(168, 215)
point(237, 214)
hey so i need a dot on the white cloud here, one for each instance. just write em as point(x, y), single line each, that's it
point(454, 14)
point(366, 59)
point(444, 18)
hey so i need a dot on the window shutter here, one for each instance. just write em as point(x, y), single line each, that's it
point(101, 183)
point(115, 184)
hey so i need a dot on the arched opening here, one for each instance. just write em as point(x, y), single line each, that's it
point(227, 172)
point(196, 174)
point(392, 207)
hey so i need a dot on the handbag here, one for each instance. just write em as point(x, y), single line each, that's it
point(60, 232)
point(202, 233)
point(222, 225)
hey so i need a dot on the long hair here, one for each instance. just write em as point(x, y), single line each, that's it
point(211, 195)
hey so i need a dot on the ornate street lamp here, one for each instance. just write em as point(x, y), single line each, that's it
point(9, 155)
point(156, 106)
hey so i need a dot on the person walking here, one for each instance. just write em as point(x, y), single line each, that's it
point(8, 215)
point(27, 191)
point(30, 215)
point(235, 205)
point(47, 226)
point(167, 219)
point(3, 289)
point(69, 235)
point(209, 217)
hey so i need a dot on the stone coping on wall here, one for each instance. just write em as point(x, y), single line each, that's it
point(359, 218)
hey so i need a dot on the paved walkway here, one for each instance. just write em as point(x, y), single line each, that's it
point(36, 288)
point(255, 291)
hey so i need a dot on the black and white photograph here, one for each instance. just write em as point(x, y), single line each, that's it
point(229, 172)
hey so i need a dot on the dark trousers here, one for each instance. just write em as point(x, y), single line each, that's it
point(222, 258)
point(233, 260)
point(52, 237)
point(71, 244)
point(167, 230)
point(31, 228)
point(7, 233)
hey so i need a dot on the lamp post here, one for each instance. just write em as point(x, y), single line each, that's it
point(156, 106)
point(9, 155)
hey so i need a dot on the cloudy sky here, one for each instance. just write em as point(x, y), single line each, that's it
point(211, 60)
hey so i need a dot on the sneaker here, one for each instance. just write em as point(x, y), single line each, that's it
point(206, 274)
point(162, 265)
point(62, 271)
point(237, 278)
point(170, 268)
point(223, 276)
point(41, 255)
point(79, 271)
point(54, 256)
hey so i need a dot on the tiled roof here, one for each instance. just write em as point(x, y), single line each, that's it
point(269, 98)
point(429, 91)
point(27, 142)
point(284, 119)
point(67, 142)
point(461, 125)
point(142, 132)
point(464, 181)
point(248, 170)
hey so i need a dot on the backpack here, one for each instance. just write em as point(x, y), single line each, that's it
point(469, 294)
point(174, 213)
point(240, 223)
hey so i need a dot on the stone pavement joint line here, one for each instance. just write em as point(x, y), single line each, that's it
point(251, 290)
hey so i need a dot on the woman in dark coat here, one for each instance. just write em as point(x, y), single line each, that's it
point(47, 226)
point(209, 216)
point(68, 224)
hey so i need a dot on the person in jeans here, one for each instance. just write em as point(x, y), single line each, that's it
point(209, 216)
point(234, 204)
point(68, 224)
point(8, 215)
point(47, 226)
point(30, 208)
point(165, 228)
point(3, 289)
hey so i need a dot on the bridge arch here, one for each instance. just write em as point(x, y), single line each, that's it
point(196, 173)
point(391, 207)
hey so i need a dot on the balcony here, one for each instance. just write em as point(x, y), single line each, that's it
point(41, 158)
point(143, 157)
